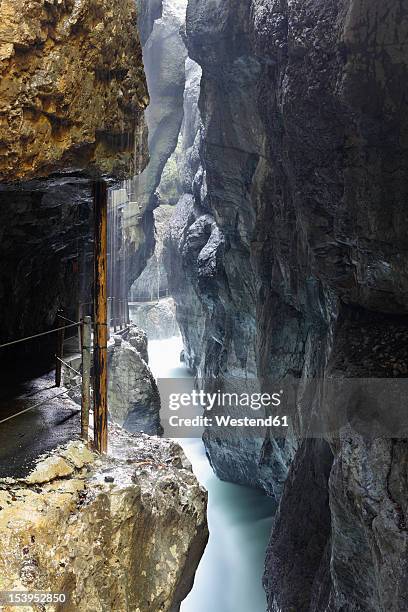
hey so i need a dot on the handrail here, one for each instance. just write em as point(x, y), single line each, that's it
point(33, 407)
point(60, 316)
point(39, 335)
point(86, 335)
point(68, 366)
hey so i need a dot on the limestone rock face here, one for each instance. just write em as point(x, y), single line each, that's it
point(123, 532)
point(180, 249)
point(292, 252)
point(137, 337)
point(164, 55)
point(159, 320)
point(72, 89)
point(133, 396)
point(153, 283)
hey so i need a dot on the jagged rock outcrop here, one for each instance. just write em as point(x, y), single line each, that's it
point(293, 264)
point(133, 396)
point(134, 526)
point(137, 337)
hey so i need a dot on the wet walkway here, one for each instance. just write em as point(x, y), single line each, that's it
point(24, 438)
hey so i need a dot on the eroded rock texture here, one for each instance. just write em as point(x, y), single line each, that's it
point(72, 87)
point(134, 526)
point(164, 55)
point(293, 264)
point(133, 396)
point(158, 319)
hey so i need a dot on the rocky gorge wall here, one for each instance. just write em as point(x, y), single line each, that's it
point(289, 261)
point(72, 98)
point(164, 55)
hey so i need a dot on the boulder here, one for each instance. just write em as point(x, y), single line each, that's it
point(133, 396)
point(134, 527)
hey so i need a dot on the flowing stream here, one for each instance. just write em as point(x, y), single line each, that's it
point(229, 577)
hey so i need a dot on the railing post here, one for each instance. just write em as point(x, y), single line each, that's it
point(60, 349)
point(79, 318)
point(100, 200)
point(115, 314)
point(109, 315)
point(86, 376)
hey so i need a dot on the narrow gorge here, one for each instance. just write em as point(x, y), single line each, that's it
point(255, 157)
point(286, 257)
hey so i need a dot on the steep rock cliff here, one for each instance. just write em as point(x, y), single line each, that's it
point(164, 55)
point(295, 267)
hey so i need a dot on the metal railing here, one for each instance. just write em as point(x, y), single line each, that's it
point(85, 327)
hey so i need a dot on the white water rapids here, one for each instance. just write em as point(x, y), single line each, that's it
point(229, 577)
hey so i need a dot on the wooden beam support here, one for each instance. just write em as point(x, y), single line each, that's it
point(86, 338)
point(100, 200)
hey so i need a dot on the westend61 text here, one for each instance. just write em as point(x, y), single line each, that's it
point(228, 421)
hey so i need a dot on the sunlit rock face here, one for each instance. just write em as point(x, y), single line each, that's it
point(294, 265)
point(124, 532)
point(72, 90)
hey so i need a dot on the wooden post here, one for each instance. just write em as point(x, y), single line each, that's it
point(86, 377)
point(60, 349)
point(100, 199)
